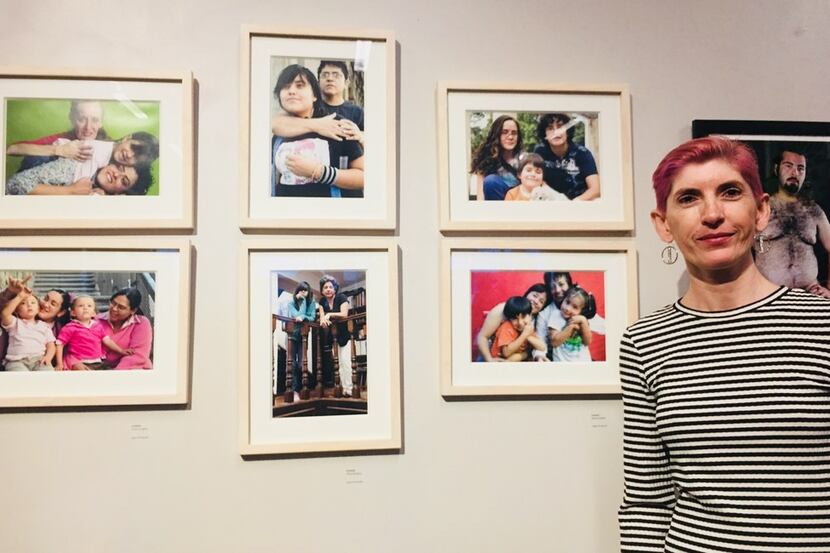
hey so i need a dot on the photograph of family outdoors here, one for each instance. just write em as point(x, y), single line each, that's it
point(317, 128)
point(81, 146)
point(552, 316)
point(524, 156)
point(319, 353)
point(79, 321)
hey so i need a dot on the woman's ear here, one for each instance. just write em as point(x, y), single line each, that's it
point(658, 219)
point(763, 214)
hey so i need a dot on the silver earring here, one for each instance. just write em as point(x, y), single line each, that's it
point(760, 239)
point(669, 255)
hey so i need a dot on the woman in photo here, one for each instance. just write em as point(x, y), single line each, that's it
point(725, 392)
point(538, 298)
point(312, 165)
point(127, 326)
point(87, 119)
point(495, 161)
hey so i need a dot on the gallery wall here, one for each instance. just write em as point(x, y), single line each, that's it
point(493, 476)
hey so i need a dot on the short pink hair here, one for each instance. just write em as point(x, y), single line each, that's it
point(700, 150)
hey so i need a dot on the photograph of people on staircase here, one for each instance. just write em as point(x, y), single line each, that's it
point(76, 320)
point(319, 360)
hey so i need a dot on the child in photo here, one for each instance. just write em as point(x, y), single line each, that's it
point(531, 185)
point(302, 309)
point(121, 167)
point(510, 342)
point(79, 342)
point(570, 333)
point(31, 342)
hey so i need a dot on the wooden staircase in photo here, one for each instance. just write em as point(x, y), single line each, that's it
point(319, 400)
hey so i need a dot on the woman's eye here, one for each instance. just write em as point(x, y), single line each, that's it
point(685, 198)
point(732, 192)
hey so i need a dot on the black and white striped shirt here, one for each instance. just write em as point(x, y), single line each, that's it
point(727, 428)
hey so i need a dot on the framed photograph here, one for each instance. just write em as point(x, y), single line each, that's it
point(534, 157)
point(92, 322)
point(96, 150)
point(534, 317)
point(318, 137)
point(313, 378)
point(794, 162)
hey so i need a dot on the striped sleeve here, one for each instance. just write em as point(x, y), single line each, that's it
point(649, 498)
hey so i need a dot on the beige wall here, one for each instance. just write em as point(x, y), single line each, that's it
point(474, 476)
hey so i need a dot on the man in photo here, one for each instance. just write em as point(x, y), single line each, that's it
point(569, 167)
point(785, 253)
point(334, 78)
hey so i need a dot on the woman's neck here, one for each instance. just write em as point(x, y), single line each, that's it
point(726, 289)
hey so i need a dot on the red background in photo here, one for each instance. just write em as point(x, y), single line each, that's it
point(489, 288)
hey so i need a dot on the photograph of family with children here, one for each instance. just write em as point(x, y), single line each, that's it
point(542, 316)
point(81, 146)
point(317, 125)
point(525, 156)
point(319, 352)
point(78, 321)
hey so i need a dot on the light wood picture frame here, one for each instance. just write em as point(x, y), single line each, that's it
point(96, 149)
point(480, 277)
point(582, 134)
point(156, 370)
point(310, 409)
point(299, 168)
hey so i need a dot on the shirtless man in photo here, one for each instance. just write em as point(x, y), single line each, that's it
point(796, 225)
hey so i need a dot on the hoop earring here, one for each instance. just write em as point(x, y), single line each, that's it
point(760, 239)
point(669, 255)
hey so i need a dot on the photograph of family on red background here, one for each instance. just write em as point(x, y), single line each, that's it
point(538, 316)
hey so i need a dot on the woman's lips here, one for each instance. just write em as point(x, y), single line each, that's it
point(716, 239)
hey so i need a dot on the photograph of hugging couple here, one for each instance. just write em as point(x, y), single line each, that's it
point(81, 147)
point(317, 128)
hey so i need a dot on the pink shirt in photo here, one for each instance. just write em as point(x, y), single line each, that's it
point(82, 342)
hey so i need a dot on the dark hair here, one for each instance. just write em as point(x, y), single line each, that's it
point(780, 156)
point(487, 157)
point(531, 159)
point(589, 307)
point(287, 77)
point(699, 151)
point(540, 288)
point(142, 183)
point(300, 287)
point(547, 120)
point(338, 64)
point(133, 298)
point(552, 276)
point(516, 306)
point(66, 303)
point(147, 148)
point(328, 278)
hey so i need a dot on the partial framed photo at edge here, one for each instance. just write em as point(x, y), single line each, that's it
point(96, 150)
point(530, 157)
point(534, 317)
point(318, 135)
point(319, 363)
point(794, 162)
point(112, 319)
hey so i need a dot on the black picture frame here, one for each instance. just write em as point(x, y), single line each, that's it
point(768, 139)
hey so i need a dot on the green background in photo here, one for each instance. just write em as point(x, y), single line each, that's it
point(30, 119)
